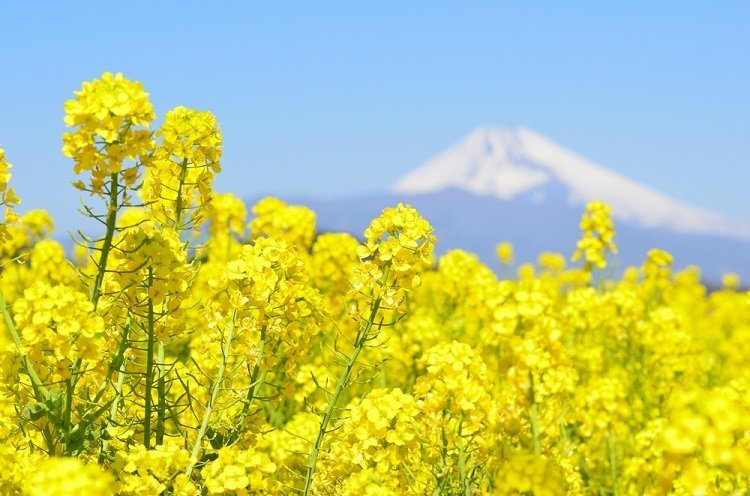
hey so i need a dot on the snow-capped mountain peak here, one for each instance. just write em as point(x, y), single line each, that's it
point(509, 164)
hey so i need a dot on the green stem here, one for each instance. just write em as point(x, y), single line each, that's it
point(117, 362)
point(341, 384)
point(113, 409)
point(51, 445)
point(40, 392)
point(149, 366)
point(613, 468)
point(534, 418)
point(160, 387)
point(198, 446)
point(256, 381)
point(462, 458)
point(117, 365)
point(535, 429)
point(69, 385)
point(160, 365)
point(112, 207)
point(178, 203)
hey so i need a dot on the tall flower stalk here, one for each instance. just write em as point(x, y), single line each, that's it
point(399, 245)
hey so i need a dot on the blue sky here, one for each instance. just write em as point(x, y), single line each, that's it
point(342, 98)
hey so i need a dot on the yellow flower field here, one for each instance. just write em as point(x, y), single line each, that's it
point(188, 349)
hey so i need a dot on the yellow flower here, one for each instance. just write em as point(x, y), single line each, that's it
point(553, 262)
point(598, 236)
point(56, 476)
point(143, 472)
point(294, 224)
point(57, 326)
point(398, 247)
point(505, 252)
point(529, 474)
point(8, 198)
point(375, 445)
point(111, 116)
point(730, 281)
point(178, 184)
point(240, 471)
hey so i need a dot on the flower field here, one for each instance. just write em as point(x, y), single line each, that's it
point(193, 347)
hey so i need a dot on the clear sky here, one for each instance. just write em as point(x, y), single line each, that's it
point(342, 98)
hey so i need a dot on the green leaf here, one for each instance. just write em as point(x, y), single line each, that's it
point(34, 411)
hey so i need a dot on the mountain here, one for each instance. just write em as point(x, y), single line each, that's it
point(516, 185)
point(509, 164)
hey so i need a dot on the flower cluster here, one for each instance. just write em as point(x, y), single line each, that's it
point(69, 476)
point(505, 252)
point(148, 268)
point(111, 115)
point(598, 235)
point(241, 471)
point(454, 394)
point(375, 450)
point(58, 326)
point(334, 258)
point(267, 287)
point(226, 216)
point(179, 179)
point(524, 473)
point(294, 224)
point(8, 198)
point(402, 240)
point(143, 472)
point(398, 247)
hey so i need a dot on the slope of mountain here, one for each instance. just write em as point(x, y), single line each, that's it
point(508, 164)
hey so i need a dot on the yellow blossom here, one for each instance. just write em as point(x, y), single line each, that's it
point(598, 235)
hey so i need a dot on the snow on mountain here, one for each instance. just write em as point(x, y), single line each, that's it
point(509, 164)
